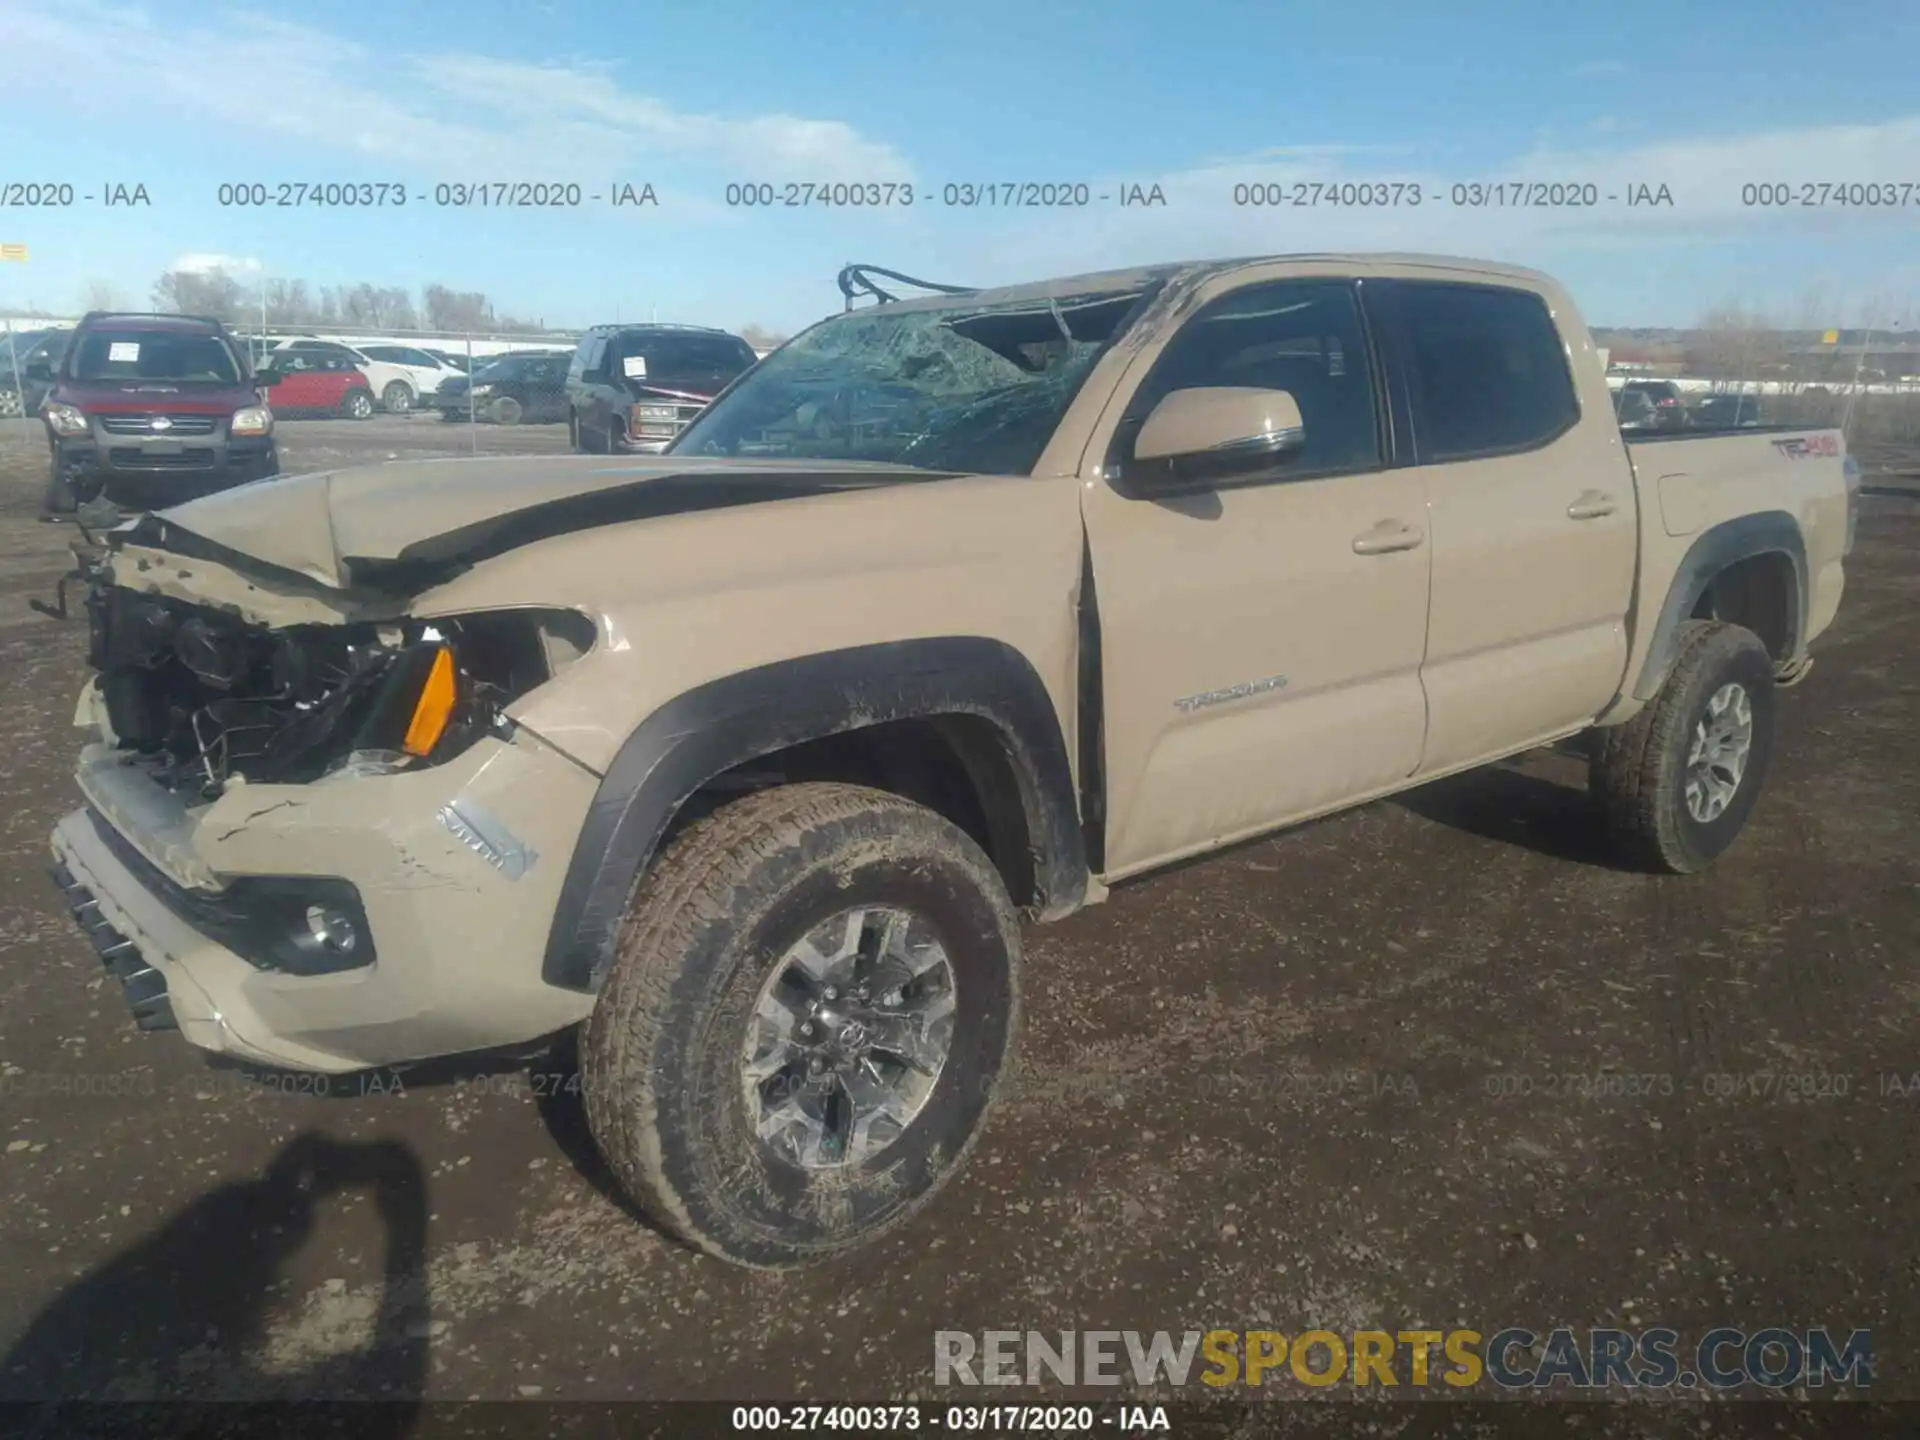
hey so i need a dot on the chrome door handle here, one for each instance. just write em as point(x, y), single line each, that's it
point(1592, 505)
point(1387, 537)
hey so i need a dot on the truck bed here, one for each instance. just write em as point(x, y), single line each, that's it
point(1689, 482)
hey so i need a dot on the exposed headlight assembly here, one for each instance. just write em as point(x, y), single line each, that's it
point(452, 683)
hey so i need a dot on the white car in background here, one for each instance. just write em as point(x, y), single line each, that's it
point(401, 375)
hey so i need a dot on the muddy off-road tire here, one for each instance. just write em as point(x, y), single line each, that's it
point(804, 1027)
point(1678, 781)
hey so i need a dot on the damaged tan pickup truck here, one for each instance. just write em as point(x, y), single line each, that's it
point(749, 758)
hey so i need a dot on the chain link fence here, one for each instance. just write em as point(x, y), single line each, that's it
point(420, 392)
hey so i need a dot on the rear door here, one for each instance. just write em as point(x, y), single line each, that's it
point(424, 370)
point(1259, 643)
point(1531, 500)
point(545, 387)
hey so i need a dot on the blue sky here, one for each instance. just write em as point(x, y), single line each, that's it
point(1197, 97)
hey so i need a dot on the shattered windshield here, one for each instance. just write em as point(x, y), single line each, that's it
point(971, 388)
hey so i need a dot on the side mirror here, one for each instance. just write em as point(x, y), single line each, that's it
point(268, 378)
point(1210, 435)
point(38, 370)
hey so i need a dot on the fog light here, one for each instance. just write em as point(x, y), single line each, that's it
point(332, 930)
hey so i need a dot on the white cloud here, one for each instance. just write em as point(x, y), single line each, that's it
point(205, 262)
point(452, 115)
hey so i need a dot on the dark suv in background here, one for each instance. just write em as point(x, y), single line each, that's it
point(152, 410)
point(1669, 404)
point(519, 387)
point(635, 387)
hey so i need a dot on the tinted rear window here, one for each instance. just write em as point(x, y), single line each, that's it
point(1489, 371)
point(110, 354)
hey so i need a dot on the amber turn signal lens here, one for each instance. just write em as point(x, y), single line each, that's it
point(434, 707)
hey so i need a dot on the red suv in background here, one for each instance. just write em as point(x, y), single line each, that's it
point(152, 410)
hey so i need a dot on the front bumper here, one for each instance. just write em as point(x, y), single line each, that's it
point(627, 445)
point(151, 472)
point(145, 987)
point(458, 942)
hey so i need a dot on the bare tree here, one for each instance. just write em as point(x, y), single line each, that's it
point(102, 295)
point(378, 307)
point(1736, 343)
point(761, 338)
point(286, 302)
point(213, 292)
point(454, 309)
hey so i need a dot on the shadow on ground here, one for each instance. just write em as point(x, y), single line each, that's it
point(1538, 802)
point(185, 1309)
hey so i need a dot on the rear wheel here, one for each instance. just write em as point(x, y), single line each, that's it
point(802, 1033)
point(397, 397)
point(1678, 781)
point(573, 430)
point(616, 436)
point(10, 406)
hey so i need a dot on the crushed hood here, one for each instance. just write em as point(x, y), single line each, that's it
point(406, 525)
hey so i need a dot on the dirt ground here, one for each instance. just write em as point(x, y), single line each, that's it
point(1338, 1079)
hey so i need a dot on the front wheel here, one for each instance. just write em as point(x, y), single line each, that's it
point(358, 406)
point(397, 398)
point(812, 998)
point(1678, 781)
point(506, 411)
point(60, 501)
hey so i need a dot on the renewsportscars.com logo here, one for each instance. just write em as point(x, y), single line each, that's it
point(1775, 1358)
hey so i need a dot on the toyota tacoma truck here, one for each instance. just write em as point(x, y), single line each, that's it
point(749, 759)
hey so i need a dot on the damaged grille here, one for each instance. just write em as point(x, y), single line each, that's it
point(205, 696)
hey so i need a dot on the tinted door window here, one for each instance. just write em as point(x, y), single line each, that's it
point(1489, 372)
point(1304, 337)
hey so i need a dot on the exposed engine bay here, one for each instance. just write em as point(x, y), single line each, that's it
point(206, 696)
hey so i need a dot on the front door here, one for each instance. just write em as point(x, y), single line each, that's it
point(1260, 644)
